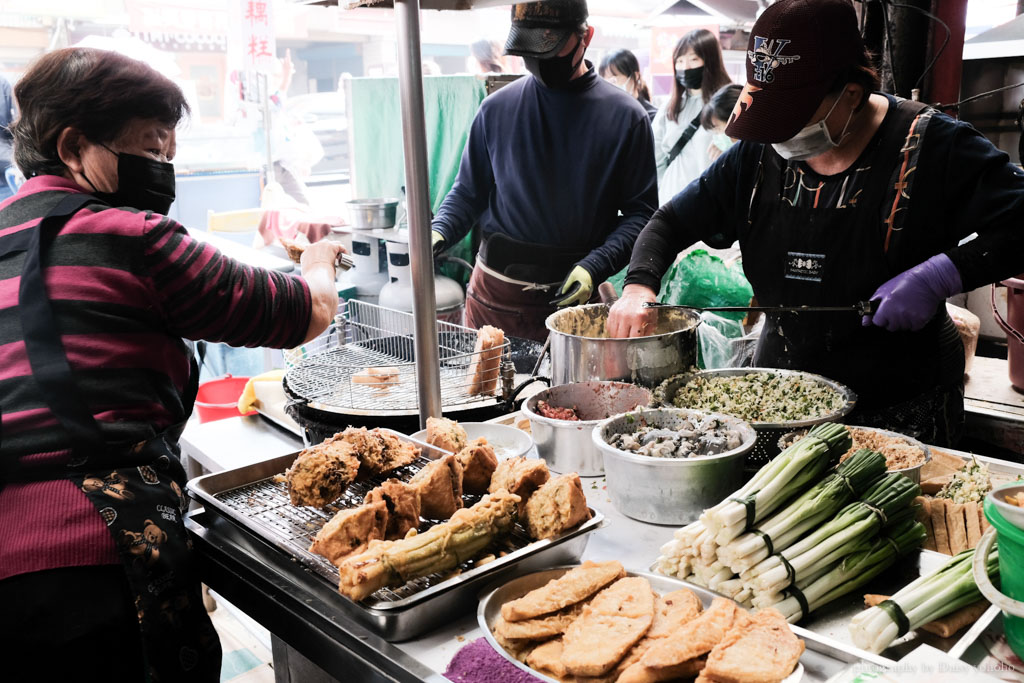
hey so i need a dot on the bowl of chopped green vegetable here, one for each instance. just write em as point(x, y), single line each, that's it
point(773, 401)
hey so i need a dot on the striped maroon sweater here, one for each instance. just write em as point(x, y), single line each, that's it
point(127, 287)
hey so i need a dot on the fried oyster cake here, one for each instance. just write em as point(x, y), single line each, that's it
point(321, 473)
point(478, 464)
point(440, 487)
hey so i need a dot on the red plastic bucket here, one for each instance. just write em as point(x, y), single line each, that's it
point(217, 399)
point(1013, 324)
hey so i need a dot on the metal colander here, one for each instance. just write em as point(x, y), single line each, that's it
point(767, 445)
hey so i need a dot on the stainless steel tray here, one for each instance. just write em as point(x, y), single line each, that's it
point(249, 497)
point(829, 625)
point(817, 662)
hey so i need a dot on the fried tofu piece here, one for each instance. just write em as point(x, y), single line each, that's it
point(574, 586)
point(521, 476)
point(762, 649)
point(440, 487)
point(672, 610)
point(350, 531)
point(539, 628)
point(486, 363)
point(446, 434)
point(694, 638)
point(638, 673)
point(321, 473)
point(379, 451)
point(478, 464)
point(556, 507)
point(617, 618)
point(547, 657)
point(403, 504)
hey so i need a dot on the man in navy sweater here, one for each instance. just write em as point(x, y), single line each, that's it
point(559, 172)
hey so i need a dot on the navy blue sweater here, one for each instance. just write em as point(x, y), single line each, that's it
point(557, 167)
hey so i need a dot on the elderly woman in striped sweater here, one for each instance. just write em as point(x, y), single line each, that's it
point(98, 289)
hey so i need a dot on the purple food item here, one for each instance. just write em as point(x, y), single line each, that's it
point(478, 662)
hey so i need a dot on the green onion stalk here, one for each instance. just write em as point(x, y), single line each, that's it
point(850, 480)
point(856, 569)
point(781, 479)
point(888, 501)
point(930, 597)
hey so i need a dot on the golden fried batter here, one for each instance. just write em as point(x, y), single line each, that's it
point(321, 473)
point(403, 503)
point(696, 637)
point(379, 451)
point(440, 487)
point(446, 434)
point(762, 650)
point(350, 531)
point(521, 476)
point(547, 657)
point(478, 464)
point(556, 507)
point(539, 628)
point(574, 586)
point(609, 627)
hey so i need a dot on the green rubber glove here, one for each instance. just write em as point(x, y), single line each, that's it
point(576, 288)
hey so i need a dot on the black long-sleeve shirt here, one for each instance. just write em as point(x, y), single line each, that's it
point(556, 167)
point(962, 184)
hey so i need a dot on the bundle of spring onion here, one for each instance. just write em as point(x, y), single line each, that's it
point(888, 502)
point(784, 477)
point(930, 597)
point(853, 571)
point(820, 503)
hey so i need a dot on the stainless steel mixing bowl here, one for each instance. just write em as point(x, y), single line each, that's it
point(566, 445)
point(669, 490)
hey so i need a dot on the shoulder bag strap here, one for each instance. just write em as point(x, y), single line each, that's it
point(687, 135)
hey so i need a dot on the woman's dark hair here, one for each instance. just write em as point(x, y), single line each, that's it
point(625, 63)
point(488, 54)
point(96, 91)
point(705, 45)
point(720, 105)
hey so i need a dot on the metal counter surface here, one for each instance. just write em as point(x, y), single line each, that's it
point(239, 441)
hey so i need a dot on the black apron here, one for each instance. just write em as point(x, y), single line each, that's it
point(136, 488)
point(911, 382)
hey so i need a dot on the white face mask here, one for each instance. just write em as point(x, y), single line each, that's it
point(812, 140)
point(625, 86)
point(721, 141)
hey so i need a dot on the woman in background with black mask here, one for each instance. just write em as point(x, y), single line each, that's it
point(99, 290)
point(680, 143)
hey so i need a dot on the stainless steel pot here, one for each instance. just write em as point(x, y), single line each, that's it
point(367, 214)
point(668, 490)
point(566, 445)
point(581, 350)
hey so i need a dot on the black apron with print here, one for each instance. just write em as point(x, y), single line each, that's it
point(910, 382)
point(136, 488)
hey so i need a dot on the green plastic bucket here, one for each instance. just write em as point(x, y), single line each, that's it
point(1010, 598)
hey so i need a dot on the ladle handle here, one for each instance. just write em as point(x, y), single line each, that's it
point(984, 583)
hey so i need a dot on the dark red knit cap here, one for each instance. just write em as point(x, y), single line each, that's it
point(796, 51)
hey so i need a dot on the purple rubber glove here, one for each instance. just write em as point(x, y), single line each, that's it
point(909, 300)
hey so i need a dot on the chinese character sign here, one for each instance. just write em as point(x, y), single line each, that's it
point(258, 35)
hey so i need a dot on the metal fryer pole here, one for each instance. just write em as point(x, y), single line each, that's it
point(417, 183)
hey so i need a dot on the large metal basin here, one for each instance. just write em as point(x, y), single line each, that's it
point(581, 350)
point(668, 490)
point(566, 445)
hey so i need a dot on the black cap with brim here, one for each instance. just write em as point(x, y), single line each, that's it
point(541, 42)
point(774, 115)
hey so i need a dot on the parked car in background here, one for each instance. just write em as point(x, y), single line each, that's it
point(324, 113)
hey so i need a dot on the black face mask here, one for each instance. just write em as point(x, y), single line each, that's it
point(691, 79)
point(554, 72)
point(142, 184)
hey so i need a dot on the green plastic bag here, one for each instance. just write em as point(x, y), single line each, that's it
point(700, 279)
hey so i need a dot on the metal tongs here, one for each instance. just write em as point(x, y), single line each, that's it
point(860, 308)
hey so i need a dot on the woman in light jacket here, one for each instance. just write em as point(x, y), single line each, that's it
point(699, 73)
